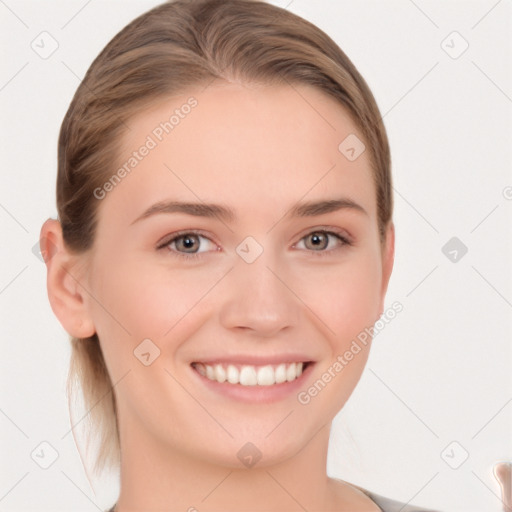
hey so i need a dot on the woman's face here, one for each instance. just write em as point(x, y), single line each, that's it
point(273, 283)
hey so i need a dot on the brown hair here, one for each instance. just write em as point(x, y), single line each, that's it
point(165, 51)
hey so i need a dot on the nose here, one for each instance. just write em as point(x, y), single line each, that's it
point(258, 298)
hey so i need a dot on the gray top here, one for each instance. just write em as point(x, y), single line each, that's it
point(385, 504)
point(389, 505)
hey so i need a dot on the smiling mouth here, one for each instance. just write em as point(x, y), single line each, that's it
point(251, 375)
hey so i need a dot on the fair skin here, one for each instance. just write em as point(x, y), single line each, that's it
point(259, 151)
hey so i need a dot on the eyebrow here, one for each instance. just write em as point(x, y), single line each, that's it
point(222, 212)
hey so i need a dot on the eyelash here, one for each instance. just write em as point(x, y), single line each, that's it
point(345, 241)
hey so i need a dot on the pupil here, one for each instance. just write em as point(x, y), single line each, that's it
point(188, 242)
point(317, 239)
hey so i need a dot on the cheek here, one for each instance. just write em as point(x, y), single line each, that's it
point(148, 301)
point(137, 300)
point(347, 303)
point(345, 299)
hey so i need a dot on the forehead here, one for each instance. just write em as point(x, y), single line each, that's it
point(250, 145)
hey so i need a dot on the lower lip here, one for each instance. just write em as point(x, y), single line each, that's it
point(256, 394)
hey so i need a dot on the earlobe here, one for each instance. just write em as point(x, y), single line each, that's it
point(388, 258)
point(68, 298)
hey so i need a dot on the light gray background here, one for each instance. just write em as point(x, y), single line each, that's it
point(438, 373)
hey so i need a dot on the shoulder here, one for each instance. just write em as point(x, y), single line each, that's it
point(390, 505)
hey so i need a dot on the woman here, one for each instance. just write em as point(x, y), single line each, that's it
point(225, 239)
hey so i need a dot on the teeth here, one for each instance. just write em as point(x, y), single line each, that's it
point(233, 374)
point(266, 376)
point(249, 375)
point(281, 373)
point(220, 373)
point(210, 372)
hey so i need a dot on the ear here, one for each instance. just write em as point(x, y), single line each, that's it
point(68, 297)
point(388, 258)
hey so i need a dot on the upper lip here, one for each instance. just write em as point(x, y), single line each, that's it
point(254, 360)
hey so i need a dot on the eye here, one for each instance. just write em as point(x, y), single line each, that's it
point(323, 241)
point(187, 244)
point(191, 244)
